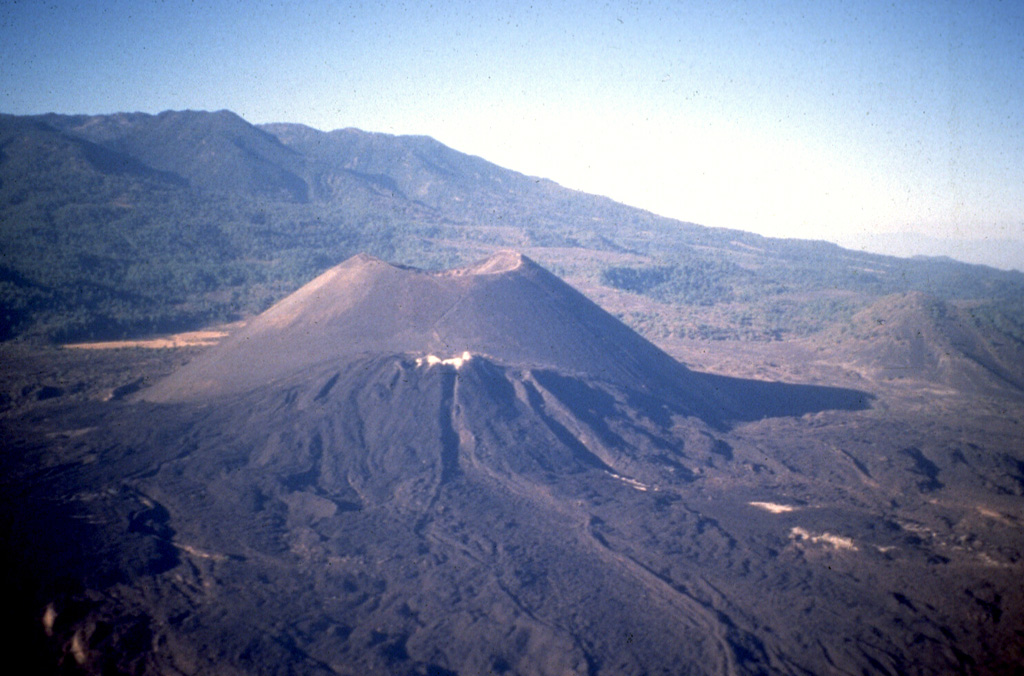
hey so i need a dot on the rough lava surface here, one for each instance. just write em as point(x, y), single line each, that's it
point(481, 472)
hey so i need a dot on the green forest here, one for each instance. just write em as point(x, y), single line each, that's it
point(109, 234)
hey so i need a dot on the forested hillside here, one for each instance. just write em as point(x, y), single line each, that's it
point(133, 224)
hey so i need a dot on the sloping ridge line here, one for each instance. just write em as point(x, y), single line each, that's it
point(507, 308)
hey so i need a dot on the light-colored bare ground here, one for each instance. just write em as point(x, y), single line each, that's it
point(204, 338)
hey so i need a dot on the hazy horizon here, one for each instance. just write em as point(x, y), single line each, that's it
point(786, 119)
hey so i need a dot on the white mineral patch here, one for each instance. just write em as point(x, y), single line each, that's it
point(78, 648)
point(835, 541)
point(987, 560)
point(773, 507)
point(195, 551)
point(457, 362)
point(632, 482)
point(49, 617)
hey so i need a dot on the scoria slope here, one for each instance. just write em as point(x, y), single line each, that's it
point(506, 308)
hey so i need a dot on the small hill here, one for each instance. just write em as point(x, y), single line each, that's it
point(920, 337)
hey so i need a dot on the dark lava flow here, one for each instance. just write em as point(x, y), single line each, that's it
point(481, 472)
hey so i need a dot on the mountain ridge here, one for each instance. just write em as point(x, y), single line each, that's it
point(188, 218)
point(167, 142)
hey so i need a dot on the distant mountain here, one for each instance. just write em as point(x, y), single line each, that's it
point(130, 224)
point(1004, 252)
point(417, 168)
point(212, 151)
point(39, 158)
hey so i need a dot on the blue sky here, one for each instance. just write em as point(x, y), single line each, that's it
point(829, 120)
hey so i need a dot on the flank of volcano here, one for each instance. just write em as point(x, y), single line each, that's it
point(481, 471)
point(506, 309)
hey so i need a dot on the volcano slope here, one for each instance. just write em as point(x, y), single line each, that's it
point(481, 472)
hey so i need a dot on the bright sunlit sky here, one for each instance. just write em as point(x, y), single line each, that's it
point(827, 120)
